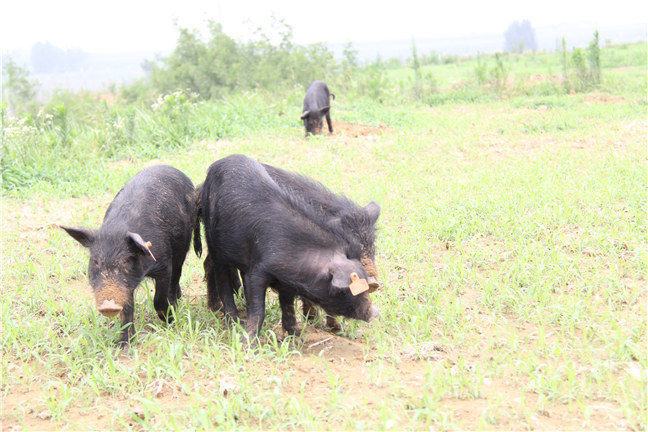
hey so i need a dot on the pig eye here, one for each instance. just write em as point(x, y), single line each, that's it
point(94, 262)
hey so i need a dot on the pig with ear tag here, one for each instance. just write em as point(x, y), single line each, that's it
point(275, 239)
point(355, 223)
point(146, 232)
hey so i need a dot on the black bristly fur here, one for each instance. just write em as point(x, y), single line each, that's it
point(158, 204)
point(275, 239)
point(335, 211)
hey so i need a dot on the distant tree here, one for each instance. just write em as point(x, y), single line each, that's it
point(519, 37)
point(214, 65)
point(349, 57)
point(18, 89)
point(47, 58)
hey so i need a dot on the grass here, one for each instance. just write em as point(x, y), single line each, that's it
point(512, 249)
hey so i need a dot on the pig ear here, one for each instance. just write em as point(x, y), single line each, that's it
point(340, 279)
point(85, 236)
point(139, 242)
point(325, 110)
point(305, 114)
point(373, 210)
point(340, 270)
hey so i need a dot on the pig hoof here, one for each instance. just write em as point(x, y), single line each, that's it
point(215, 306)
point(294, 331)
point(250, 344)
point(166, 317)
point(333, 325)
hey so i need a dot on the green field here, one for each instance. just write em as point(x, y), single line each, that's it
point(512, 249)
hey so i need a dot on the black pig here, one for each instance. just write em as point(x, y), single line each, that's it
point(275, 239)
point(317, 104)
point(146, 232)
point(357, 223)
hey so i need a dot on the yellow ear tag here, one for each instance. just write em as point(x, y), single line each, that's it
point(358, 286)
point(148, 246)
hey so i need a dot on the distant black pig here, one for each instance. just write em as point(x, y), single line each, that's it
point(317, 104)
point(146, 232)
point(276, 239)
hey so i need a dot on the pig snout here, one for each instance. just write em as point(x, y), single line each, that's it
point(367, 312)
point(111, 298)
point(109, 308)
point(373, 283)
point(374, 312)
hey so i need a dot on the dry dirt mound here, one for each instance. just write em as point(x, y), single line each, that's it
point(598, 97)
point(358, 130)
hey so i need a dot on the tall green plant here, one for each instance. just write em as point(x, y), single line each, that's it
point(594, 58)
point(499, 74)
point(563, 63)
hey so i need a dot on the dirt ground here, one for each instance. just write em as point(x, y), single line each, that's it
point(357, 130)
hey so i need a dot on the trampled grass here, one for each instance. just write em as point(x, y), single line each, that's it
point(512, 251)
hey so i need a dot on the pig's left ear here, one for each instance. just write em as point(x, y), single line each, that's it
point(85, 236)
point(142, 246)
point(325, 110)
point(340, 270)
point(340, 279)
point(373, 210)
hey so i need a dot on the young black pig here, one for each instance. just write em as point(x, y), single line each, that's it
point(146, 232)
point(317, 103)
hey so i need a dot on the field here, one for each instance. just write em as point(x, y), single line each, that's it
point(511, 248)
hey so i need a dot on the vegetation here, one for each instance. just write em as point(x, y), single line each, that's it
point(512, 246)
point(519, 37)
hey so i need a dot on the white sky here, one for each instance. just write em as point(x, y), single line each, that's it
point(128, 26)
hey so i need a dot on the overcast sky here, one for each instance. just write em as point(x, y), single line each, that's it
point(134, 25)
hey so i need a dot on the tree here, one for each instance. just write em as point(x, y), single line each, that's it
point(47, 58)
point(519, 37)
point(18, 89)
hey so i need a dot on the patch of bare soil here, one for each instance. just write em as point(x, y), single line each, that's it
point(602, 98)
point(539, 78)
point(357, 130)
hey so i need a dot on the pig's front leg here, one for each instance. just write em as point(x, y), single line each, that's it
point(161, 301)
point(128, 327)
point(288, 319)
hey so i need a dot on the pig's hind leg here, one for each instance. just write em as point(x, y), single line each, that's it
point(255, 286)
point(176, 273)
point(221, 287)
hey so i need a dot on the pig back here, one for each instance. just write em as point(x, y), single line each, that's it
point(157, 201)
